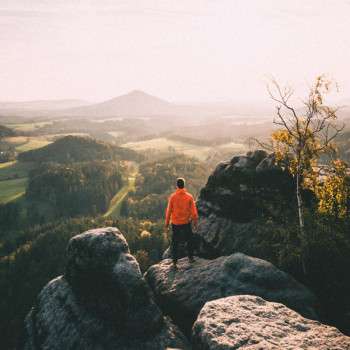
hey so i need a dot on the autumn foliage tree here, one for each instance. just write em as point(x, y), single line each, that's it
point(305, 136)
point(333, 191)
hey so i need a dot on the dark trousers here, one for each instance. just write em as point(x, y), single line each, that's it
point(181, 233)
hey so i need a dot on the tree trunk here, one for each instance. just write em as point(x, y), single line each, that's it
point(303, 242)
point(300, 205)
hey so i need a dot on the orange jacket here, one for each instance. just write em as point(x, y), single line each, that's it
point(181, 208)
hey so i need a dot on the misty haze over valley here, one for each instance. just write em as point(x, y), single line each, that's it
point(174, 175)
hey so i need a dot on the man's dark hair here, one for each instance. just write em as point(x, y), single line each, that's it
point(180, 182)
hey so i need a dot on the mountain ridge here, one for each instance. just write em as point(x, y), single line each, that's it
point(135, 104)
point(42, 104)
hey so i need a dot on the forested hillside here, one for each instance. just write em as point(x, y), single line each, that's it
point(343, 144)
point(75, 189)
point(77, 149)
point(5, 131)
point(70, 177)
point(40, 256)
point(156, 180)
point(7, 152)
point(35, 229)
point(246, 204)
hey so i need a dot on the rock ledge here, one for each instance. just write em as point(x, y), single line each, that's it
point(250, 322)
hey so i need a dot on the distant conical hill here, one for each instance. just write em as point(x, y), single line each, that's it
point(133, 104)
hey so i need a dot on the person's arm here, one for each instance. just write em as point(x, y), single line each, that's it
point(194, 213)
point(169, 210)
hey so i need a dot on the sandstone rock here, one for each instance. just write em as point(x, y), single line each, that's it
point(266, 164)
point(250, 322)
point(182, 293)
point(167, 254)
point(237, 195)
point(102, 302)
point(222, 236)
point(182, 248)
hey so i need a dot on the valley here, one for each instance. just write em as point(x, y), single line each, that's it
point(61, 175)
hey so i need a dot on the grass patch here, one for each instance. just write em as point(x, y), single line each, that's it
point(7, 164)
point(117, 200)
point(197, 151)
point(163, 144)
point(13, 180)
point(16, 140)
point(24, 143)
point(28, 126)
point(12, 189)
point(33, 143)
point(14, 170)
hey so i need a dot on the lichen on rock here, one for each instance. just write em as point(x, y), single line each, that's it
point(250, 322)
point(181, 293)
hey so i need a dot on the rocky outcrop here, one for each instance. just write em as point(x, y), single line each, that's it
point(238, 193)
point(183, 292)
point(102, 302)
point(250, 322)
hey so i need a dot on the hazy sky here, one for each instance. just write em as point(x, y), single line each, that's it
point(180, 50)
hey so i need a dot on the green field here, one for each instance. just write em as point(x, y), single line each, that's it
point(12, 189)
point(27, 126)
point(117, 200)
point(7, 164)
point(13, 180)
point(24, 143)
point(200, 152)
point(14, 170)
point(32, 143)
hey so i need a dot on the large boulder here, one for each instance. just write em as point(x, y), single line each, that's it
point(250, 322)
point(102, 302)
point(182, 292)
point(239, 195)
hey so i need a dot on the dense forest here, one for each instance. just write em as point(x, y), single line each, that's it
point(65, 184)
point(28, 268)
point(343, 143)
point(5, 131)
point(70, 177)
point(72, 182)
point(156, 180)
point(75, 189)
point(7, 152)
point(71, 149)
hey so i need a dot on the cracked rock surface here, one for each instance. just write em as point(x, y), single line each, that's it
point(181, 293)
point(102, 302)
point(250, 323)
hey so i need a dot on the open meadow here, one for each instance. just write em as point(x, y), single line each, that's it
point(12, 189)
point(13, 180)
point(28, 126)
point(24, 143)
point(198, 151)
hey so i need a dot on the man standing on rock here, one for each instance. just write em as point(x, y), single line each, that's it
point(181, 211)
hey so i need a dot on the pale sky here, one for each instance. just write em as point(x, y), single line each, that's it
point(180, 50)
